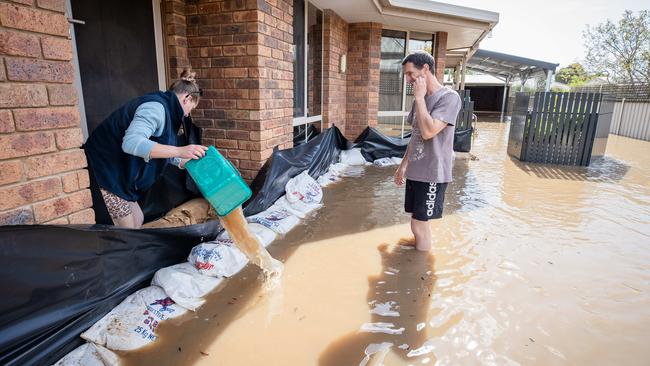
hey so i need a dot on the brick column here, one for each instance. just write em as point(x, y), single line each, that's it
point(175, 32)
point(243, 53)
point(42, 175)
point(364, 53)
point(335, 44)
point(440, 55)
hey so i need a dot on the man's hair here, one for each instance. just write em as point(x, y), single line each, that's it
point(419, 59)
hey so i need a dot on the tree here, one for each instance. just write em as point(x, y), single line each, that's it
point(621, 51)
point(574, 74)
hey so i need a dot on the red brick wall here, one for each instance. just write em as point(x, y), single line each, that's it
point(364, 53)
point(242, 51)
point(335, 44)
point(175, 32)
point(440, 54)
point(42, 175)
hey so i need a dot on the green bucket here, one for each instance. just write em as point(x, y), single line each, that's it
point(219, 181)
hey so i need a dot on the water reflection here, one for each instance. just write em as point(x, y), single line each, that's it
point(398, 299)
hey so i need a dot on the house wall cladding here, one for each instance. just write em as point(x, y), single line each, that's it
point(42, 175)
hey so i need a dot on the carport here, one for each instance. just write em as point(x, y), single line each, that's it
point(506, 68)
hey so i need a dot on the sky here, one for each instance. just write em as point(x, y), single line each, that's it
point(547, 30)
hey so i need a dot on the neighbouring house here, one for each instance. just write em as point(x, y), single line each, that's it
point(266, 67)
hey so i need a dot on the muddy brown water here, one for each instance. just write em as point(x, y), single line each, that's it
point(532, 265)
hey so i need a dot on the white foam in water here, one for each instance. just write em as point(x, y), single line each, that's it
point(380, 349)
point(381, 327)
point(385, 309)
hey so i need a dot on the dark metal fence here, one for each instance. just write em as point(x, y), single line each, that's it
point(559, 129)
point(465, 116)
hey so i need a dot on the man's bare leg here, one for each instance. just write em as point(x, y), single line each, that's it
point(422, 232)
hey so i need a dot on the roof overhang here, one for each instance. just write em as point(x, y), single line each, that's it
point(503, 65)
point(465, 26)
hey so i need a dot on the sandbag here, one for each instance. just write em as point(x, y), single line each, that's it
point(132, 324)
point(89, 354)
point(275, 218)
point(352, 157)
point(298, 208)
point(304, 189)
point(328, 178)
point(218, 258)
point(195, 211)
point(185, 284)
point(264, 235)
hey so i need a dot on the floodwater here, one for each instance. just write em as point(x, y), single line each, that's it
point(532, 265)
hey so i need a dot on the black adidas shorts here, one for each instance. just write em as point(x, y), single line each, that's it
point(424, 200)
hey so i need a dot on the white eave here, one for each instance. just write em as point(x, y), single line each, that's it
point(465, 27)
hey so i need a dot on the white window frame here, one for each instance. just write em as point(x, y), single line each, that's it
point(305, 119)
point(404, 113)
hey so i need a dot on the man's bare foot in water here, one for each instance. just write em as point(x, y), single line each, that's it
point(407, 242)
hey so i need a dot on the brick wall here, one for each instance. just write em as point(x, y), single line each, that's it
point(364, 53)
point(335, 44)
point(42, 175)
point(440, 54)
point(242, 51)
point(175, 32)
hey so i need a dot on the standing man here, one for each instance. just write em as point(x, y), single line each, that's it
point(427, 163)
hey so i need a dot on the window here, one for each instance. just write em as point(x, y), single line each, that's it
point(308, 65)
point(395, 97)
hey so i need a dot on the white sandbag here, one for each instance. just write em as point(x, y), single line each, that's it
point(276, 218)
point(132, 324)
point(383, 162)
point(303, 188)
point(89, 354)
point(185, 284)
point(219, 258)
point(338, 168)
point(327, 179)
point(396, 160)
point(264, 235)
point(298, 208)
point(352, 157)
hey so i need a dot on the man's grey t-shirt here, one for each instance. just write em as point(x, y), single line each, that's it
point(431, 160)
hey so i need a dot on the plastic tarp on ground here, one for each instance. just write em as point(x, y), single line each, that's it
point(314, 156)
point(59, 280)
point(375, 145)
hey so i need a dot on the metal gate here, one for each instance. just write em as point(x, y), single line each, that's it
point(559, 129)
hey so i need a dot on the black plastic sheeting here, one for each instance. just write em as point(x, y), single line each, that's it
point(58, 281)
point(315, 156)
point(375, 145)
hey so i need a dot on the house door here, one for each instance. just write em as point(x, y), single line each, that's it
point(116, 50)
